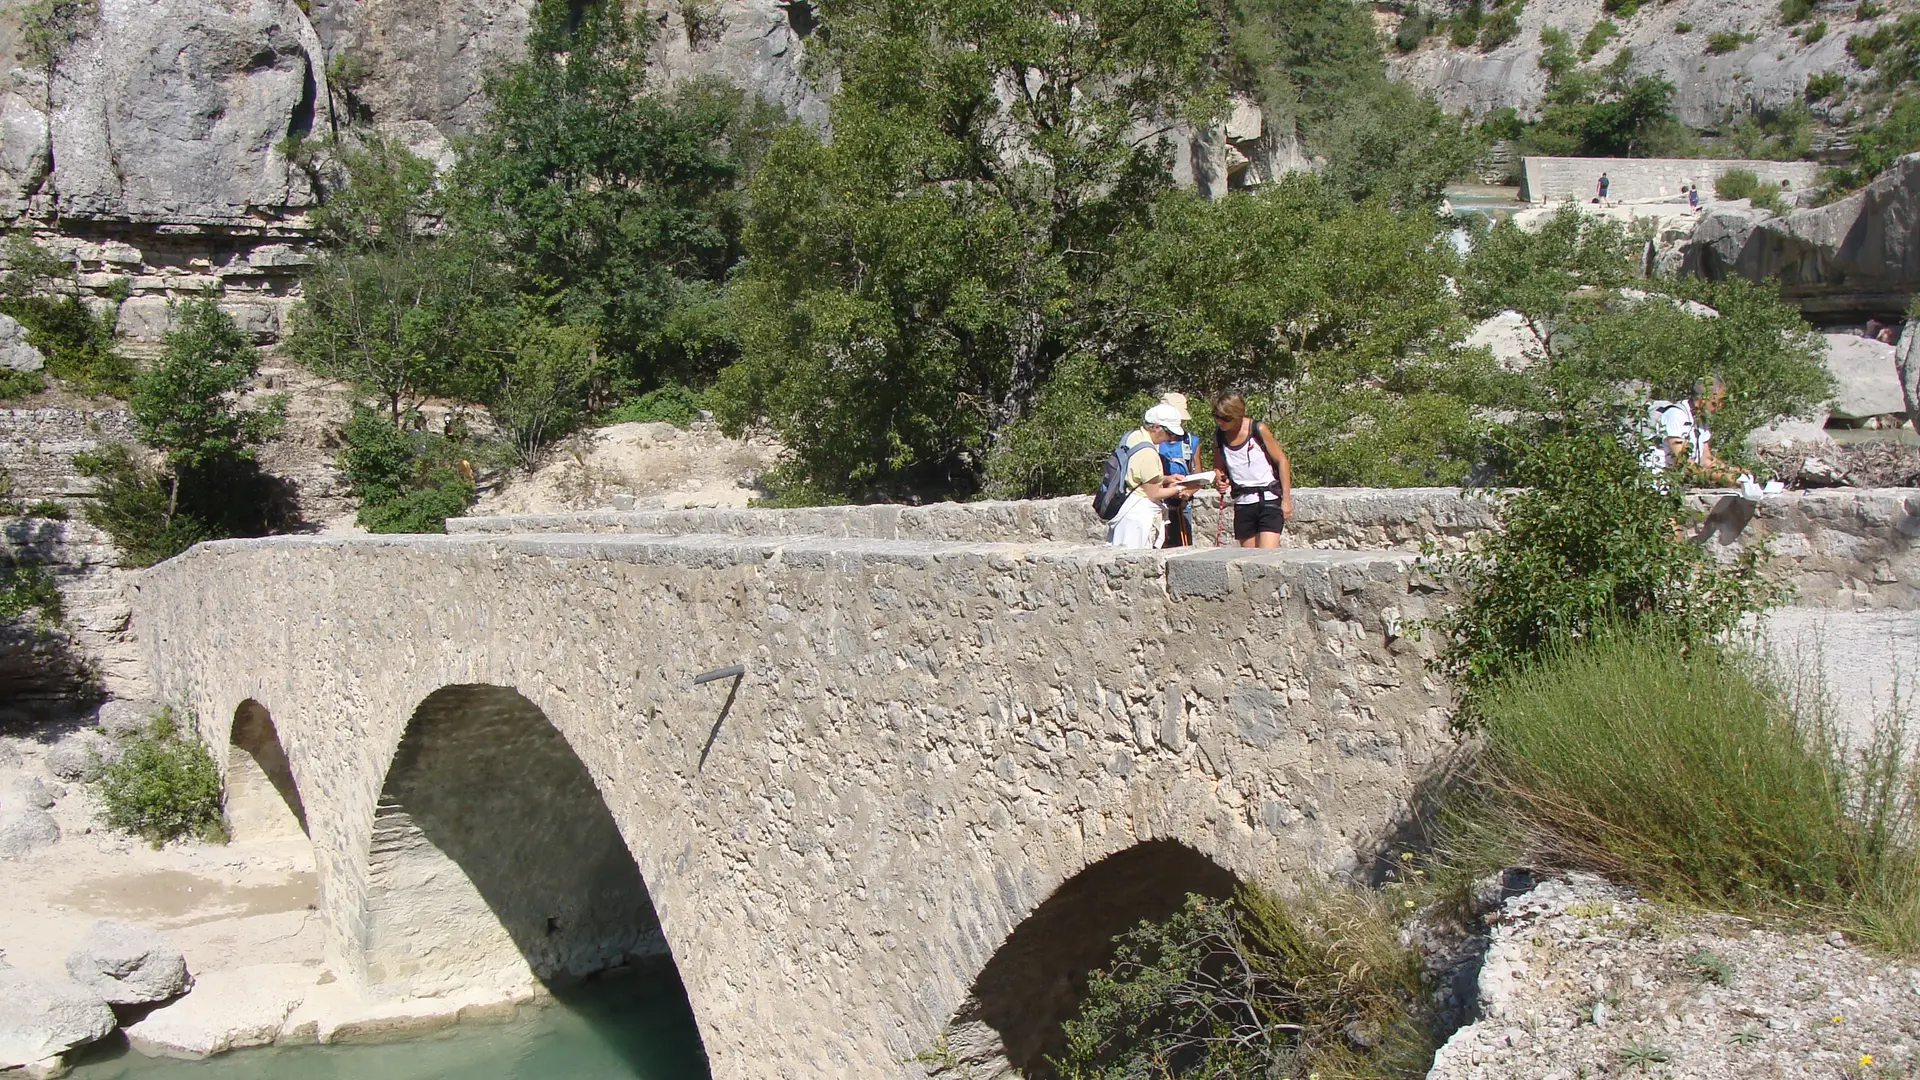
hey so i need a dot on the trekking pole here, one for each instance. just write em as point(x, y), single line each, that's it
point(1220, 522)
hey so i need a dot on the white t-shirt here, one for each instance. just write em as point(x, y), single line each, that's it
point(1674, 420)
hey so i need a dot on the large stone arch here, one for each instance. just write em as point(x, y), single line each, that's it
point(263, 796)
point(493, 856)
point(1012, 1016)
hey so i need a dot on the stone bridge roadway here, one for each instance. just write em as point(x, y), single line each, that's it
point(968, 746)
point(950, 773)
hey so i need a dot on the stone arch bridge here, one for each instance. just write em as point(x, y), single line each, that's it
point(965, 748)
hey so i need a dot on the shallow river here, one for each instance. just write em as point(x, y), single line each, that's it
point(633, 1028)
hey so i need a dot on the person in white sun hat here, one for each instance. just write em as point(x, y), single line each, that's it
point(1140, 521)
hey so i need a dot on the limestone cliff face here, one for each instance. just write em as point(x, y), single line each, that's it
point(1768, 72)
point(151, 148)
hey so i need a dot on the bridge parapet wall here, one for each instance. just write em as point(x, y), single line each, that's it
point(929, 739)
point(1840, 547)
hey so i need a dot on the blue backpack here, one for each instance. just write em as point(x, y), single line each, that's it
point(1112, 492)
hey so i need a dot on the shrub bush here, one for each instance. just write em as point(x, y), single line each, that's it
point(1721, 42)
point(164, 786)
point(1683, 27)
point(1795, 11)
point(1683, 772)
point(24, 588)
point(1501, 27)
point(407, 482)
point(1589, 539)
point(15, 385)
point(1412, 31)
point(671, 404)
point(1597, 38)
point(1258, 986)
point(442, 494)
point(1814, 32)
point(1826, 86)
point(1736, 184)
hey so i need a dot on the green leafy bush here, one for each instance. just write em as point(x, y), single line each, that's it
point(1589, 539)
point(1413, 30)
point(164, 785)
point(1826, 86)
point(1597, 37)
point(1869, 9)
point(1679, 770)
point(1736, 184)
point(1625, 9)
point(27, 587)
point(1795, 11)
point(15, 385)
point(671, 404)
point(1813, 32)
point(407, 482)
point(1464, 32)
point(1721, 42)
point(442, 494)
point(1501, 27)
point(129, 503)
point(1683, 27)
point(39, 292)
point(1257, 986)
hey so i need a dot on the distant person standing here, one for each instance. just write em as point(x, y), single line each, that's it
point(1254, 473)
point(1604, 185)
point(1693, 196)
point(1180, 456)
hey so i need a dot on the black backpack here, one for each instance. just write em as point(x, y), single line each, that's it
point(1112, 492)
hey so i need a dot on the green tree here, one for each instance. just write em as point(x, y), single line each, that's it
point(397, 306)
point(615, 201)
point(185, 405)
point(541, 391)
point(912, 285)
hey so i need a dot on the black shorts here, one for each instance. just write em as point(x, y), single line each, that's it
point(1252, 519)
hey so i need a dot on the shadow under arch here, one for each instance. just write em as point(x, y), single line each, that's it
point(263, 800)
point(494, 856)
point(1035, 981)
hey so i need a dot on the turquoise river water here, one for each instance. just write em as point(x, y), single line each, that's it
point(638, 1027)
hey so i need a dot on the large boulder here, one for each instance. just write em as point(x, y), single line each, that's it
point(1869, 383)
point(40, 1019)
point(29, 793)
point(124, 716)
point(15, 353)
point(127, 964)
point(78, 755)
point(25, 831)
point(1860, 254)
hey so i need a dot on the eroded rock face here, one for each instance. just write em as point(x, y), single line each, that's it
point(167, 110)
point(127, 964)
point(1864, 369)
point(15, 353)
point(40, 1019)
point(1860, 254)
point(1769, 72)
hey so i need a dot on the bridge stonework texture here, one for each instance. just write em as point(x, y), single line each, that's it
point(930, 738)
point(968, 747)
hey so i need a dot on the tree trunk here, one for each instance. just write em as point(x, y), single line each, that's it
point(1907, 365)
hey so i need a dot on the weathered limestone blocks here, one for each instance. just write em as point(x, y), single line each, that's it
point(930, 737)
point(1839, 547)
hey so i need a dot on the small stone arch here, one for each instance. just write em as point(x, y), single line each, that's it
point(263, 799)
point(494, 858)
point(1035, 981)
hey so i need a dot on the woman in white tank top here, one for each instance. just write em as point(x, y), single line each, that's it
point(1253, 472)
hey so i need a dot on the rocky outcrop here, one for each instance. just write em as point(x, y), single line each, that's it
point(40, 1020)
point(1584, 978)
point(15, 353)
point(1859, 255)
point(23, 832)
point(127, 964)
point(1769, 72)
point(1907, 367)
point(1864, 371)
